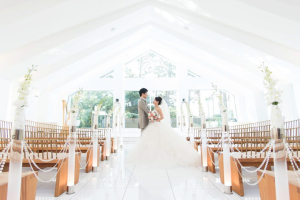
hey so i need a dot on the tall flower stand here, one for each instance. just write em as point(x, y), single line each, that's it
point(16, 155)
point(116, 124)
point(204, 148)
point(226, 159)
point(95, 140)
point(121, 131)
point(71, 158)
point(191, 132)
point(279, 154)
point(108, 141)
point(116, 130)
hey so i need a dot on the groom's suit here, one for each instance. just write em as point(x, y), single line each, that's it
point(143, 114)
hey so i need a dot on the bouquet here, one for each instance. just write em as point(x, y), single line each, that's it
point(152, 116)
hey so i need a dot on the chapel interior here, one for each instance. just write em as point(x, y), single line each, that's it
point(70, 75)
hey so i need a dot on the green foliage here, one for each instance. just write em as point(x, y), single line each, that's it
point(273, 95)
point(230, 114)
point(217, 93)
point(132, 97)
point(23, 90)
point(131, 115)
point(173, 112)
point(28, 76)
point(88, 100)
point(217, 115)
point(75, 100)
point(210, 119)
point(150, 64)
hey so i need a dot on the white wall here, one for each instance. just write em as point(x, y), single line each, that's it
point(261, 106)
point(241, 109)
point(5, 96)
point(289, 106)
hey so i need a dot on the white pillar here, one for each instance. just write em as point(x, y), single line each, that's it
point(116, 124)
point(16, 155)
point(108, 140)
point(204, 149)
point(121, 130)
point(191, 131)
point(279, 154)
point(71, 158)
point(95, 140)
point(226, 163)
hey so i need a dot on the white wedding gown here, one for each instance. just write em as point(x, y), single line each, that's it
point(161, 146)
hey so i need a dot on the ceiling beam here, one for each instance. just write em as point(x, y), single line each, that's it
point(277, 50)
point(24, 52)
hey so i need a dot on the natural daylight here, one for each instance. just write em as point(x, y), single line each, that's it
point(149, 99)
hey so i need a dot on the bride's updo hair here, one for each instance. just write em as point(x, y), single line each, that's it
point(159, 99)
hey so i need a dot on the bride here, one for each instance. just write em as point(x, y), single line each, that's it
point(160, 145)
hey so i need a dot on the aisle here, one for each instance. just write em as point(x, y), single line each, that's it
point(116, 180)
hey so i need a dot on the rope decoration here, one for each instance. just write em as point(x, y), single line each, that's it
point(4, 154)
point(30, 155)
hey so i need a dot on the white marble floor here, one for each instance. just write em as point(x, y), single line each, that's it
point(116, 180)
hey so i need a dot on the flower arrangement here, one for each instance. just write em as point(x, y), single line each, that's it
point(188, 109)
point(23, 91)
point(222, 106)
point(217, 94)
point(99, 106)
point(152, 116)
point(201, 113)
point(273, 95)
point(201, 109)
point(75, 101)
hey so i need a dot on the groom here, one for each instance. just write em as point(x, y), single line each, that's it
point(143, 110)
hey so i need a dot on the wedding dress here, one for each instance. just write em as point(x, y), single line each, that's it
point(161, 146)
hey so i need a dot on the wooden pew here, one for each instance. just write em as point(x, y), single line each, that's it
point(267, 186)
point(28, 186)
point(112, 145)
point(89, 159)
point(212, 150)
point(103, 147)
point(61, 178)
point(211, 159)
point(236, 179)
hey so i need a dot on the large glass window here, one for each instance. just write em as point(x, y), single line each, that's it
point(211, 107)
point(150, 65)
point(131, 105)
point(87, 103)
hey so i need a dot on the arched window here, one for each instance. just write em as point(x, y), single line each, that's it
point(150, 65)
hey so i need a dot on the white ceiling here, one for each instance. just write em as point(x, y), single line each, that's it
point(75, 41)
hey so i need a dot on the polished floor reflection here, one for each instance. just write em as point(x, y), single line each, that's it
point(116, 180)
